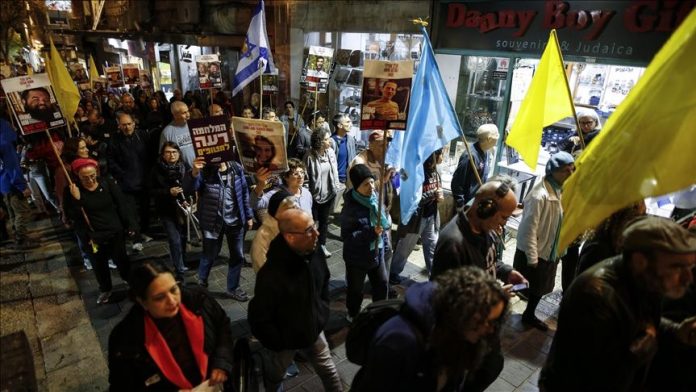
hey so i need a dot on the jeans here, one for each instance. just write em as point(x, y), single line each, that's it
point(211, 249)
point(320, 213)
point(276, 362)
point(112, 248)
point(355, 282)
point(39, 181)
point(428, 233)
point(176, 236)
point(19, 213)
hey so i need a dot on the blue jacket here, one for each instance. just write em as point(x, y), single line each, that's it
point(11, 177)
point(211, 196)
point(398, 360)
point(358, 235)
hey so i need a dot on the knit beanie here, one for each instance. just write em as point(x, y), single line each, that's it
point(276, 200)
point(557, 161)
point(79, 163)
point(360, 173)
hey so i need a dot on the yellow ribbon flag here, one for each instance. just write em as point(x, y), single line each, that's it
point(647, 146)
point(547, 101)
point(93, 73)
point(67, 94)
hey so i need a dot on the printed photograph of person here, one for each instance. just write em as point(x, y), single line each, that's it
point(202, 68)
point(318, 66)
point(214, 74)
point(37, 103)
point(132, 75)
point(384, 107)
point(265, 153)
point(79, 74)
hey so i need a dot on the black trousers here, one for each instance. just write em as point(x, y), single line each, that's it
point(487, 373)
point(569, 265)
point(355, 282)
point(320, 213)
point(112, 248)
point(140, 202)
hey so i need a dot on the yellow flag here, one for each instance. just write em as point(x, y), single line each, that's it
point(547, 101)
point(647, 146)
point(67, 93)
point(93, 73)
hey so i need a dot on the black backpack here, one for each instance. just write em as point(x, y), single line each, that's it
point(366, 324)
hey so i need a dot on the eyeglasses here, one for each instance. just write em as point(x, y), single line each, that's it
point(90, 177)
point(171, 152)
point(298, 174)
point(587, 122)
point(308, 231)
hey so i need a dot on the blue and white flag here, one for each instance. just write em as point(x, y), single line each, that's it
point(432, 123)
point(256, 52)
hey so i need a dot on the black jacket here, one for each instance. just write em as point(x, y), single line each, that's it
point(600, 343)
point(163, 177)
point(358, 235)
point(291, 298)
point(458, 246)
point(128, 160)
point(130, 365)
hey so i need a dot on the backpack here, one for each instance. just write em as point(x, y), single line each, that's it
point(365, 326)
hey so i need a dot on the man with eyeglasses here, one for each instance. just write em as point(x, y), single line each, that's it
point(128, 164)
point(290, 307)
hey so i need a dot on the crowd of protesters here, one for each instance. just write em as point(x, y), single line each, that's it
point(130, 166)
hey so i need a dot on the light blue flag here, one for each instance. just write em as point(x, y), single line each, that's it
point(256, 52)
point(432, 123)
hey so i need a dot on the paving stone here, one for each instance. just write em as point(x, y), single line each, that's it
point(44, 284)
point(88, 374)
point(53, 317)
point(500, 385)
point(18, 316)
point(15, 286)
point(515, 372)
point(65, 349)
point(527, 387)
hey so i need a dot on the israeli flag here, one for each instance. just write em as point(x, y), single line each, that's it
point(256, 52)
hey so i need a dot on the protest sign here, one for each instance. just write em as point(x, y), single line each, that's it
point(131, 74)
point(315, 74)
point(211, 138)
point(260, 143)
point(385, 94)
point(33, 103)
point(113, 74)
point(209, 75)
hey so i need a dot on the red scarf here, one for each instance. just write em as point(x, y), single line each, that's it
point(162, 355)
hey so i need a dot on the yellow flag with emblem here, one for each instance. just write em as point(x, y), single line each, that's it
point(547, 101)
point(647, 146)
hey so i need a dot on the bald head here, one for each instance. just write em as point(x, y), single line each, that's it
point(487, 135)
point(180, 111)
point(298, 229)
point(494, 203)
point(292, 220)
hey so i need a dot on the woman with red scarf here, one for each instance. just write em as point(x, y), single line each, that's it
point(172, 339)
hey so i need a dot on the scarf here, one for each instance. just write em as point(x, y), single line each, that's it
point(158, 349)
point(555, 254)
point(371, 204)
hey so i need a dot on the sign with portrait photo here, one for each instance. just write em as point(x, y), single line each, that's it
point(261, 143)
point(209, 74)
point(315, 74)
point(79, 76)
point(131, 74)
point(114, 75)
point(385, 94)
point(33, 103)
point(211, 138)
point(145, 80)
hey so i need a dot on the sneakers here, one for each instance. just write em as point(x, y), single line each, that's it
point(87, 264)
point(395, 279)
point(104, 298)
point(112, 265)
point(325, 251)
point(202, 283)
point(138, 247)
point(238, 295)
point(349, 318)
point(534, 322)
point(146, 238)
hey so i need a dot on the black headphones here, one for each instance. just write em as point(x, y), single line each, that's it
point(488, 207)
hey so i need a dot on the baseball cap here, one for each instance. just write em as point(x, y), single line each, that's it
point(655, 233)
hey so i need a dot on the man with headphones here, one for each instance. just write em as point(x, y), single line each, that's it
point(468, 239)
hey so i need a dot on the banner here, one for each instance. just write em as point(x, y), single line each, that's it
point(260, 143)
point(315, 74)
point(385, 94)
point(114, 75)
point(131, 74)
point(211, 138)
point(209, 75)
point(165, 70)
point(79, 76)
point(33, 103)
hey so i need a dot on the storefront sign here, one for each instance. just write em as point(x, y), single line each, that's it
point(33, 103)
point(627, 30)
point(385, 94)
point(211, 138)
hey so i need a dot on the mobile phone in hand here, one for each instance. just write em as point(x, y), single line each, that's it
point(519, 287)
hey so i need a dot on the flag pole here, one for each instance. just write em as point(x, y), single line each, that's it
point(570, 97)
point(471, 161)
point(261, 95)
point(381, 190)
point(316, 99)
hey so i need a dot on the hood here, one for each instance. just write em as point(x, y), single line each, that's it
point(418, 304)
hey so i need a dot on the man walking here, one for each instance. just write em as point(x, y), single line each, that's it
point(290, 307)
